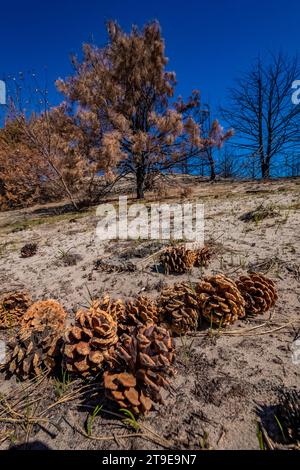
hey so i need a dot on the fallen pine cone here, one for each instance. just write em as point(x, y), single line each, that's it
point(146, 354)
point(122, 388)
point(179, 309)
point(258, 291)
point(13, 306)
point(177, 260)
point(115, 308)
point(203, 256)
point(220, 300)
point(44, 313)
point(28, 250)
point(140, 311)
point(33, 351)
point(37, 346)
point(100, 265)
point(90, 343)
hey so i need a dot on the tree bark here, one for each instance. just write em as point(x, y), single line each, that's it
point(265, 169)
point(212, 167)
point(140, 183)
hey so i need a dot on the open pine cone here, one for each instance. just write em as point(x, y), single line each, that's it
point(178, 307)
point(220, 300)
point(147, 354)
point(33, 351)
point(203, 256)
point(44, 313)
point(122, 388)
point(115, 308)
point(258, 291)
point(13, 306)
point(28, 250)
point(177, 259)
point(90, 342)
point(141, 311)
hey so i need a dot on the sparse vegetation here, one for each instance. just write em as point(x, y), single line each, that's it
point(90, 420)
point(64, 382)
point(260, 213)
point(68, 258)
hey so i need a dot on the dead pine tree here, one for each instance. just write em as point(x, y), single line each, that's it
point(260, 108)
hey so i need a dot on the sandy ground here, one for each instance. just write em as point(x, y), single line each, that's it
point(224, 382)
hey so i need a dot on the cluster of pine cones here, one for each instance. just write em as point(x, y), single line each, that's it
point(217, 299)
point(120, 343)
point(128, 344)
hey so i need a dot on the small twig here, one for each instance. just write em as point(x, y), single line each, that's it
point(113, 437)
point(247, 331)
point(71, 396)
point(263, 332)
point(22, 420)
point(149, 258)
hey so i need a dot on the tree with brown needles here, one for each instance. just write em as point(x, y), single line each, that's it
point(20, 170)
point(42, 156)
point(124, 97)
point(261, 111)
point(38, 159)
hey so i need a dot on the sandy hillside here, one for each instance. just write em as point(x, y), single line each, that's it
point(225, 381)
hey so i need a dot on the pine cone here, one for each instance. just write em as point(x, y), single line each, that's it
point(122, 388)
point(203, 256)
point(177, 259)
point(146, 353)
point(288, 414)
point(44, 313)
point(220, 300)
point(13, 306)
point(100, 265)
point(178, 307)
point(140, 311)
point(115, 308)
point(33, 351)
point(90, 342)
point(258, 291)
point(28, 250)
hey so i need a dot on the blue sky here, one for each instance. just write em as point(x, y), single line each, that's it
point(208, 42)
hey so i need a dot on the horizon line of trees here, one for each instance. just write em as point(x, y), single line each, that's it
point(120, 117)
